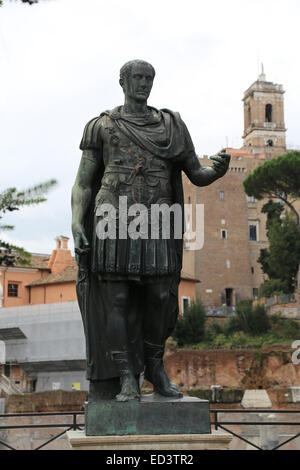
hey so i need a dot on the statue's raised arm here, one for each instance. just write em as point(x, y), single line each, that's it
point(203, 176)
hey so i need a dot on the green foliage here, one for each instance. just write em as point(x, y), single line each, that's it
point(285, 327)
point(273, 287)
point(273, 211)
point(281, 261)
point(249, 327)
point(220, 340)
point(202, 393)
point(9, 254)
point(223, 395)
point(279, 178)
point(266, 266)
point(212, 331)
point(248, 319)
point(190, 327)
point(11, 200)
point(276, 178)
point(242, 340)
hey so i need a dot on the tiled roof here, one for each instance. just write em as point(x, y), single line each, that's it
point(36, 261)
point(69, 274)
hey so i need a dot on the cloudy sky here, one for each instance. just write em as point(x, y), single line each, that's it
point(60, 61)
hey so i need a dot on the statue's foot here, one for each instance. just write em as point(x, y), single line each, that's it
point(170, 391)
point(129, 389)
point(161, 383)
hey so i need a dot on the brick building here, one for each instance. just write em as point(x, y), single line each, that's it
point(234, 227)
point(46, 279)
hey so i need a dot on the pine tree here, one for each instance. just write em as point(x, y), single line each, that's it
point(11, 200)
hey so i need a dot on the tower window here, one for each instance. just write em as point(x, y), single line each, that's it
point(270, 143)
point(249, 114)
point(268, 113)
point(222, 195)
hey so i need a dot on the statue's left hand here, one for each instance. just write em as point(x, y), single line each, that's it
point(81, 243)
point(221, 164)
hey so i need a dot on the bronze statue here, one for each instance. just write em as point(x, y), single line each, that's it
point(127, 287)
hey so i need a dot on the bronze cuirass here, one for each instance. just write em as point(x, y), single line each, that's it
point(133, 172)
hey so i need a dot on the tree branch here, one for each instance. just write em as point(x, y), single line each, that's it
point(290, 205)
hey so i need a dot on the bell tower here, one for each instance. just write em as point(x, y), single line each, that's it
point(264, 129)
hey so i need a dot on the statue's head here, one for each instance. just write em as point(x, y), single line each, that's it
point(136, 79)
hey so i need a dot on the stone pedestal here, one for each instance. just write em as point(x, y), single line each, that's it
point(216, 440)
point(152, 423)
point(153, 414)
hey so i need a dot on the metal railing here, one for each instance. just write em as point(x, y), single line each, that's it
point(223, 424)
point(217, 423)
point(74, 425)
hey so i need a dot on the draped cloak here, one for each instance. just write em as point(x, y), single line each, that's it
point(176, 148)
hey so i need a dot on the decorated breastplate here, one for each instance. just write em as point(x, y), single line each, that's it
point(135, 173)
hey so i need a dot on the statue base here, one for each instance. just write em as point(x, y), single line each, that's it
point(217, 440)
point(152, 414)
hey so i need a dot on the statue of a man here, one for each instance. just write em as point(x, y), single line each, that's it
point(128, 286)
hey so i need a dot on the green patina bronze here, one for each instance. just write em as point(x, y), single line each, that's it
point(128, 289)
point(149, 416)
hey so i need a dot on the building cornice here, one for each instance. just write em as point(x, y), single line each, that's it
point(14, 269)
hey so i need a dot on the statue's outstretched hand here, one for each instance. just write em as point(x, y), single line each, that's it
point(221, 163)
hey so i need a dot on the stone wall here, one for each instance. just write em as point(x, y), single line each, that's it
point(280, 304)
point(244, 368)
point(56, 400)
point(234, 370)
point(287, 310)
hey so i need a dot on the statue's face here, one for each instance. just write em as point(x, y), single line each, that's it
point(139, 83)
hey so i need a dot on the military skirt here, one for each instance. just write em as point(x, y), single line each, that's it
point(129, 258)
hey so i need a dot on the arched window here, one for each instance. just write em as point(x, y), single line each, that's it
point(268, 113)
